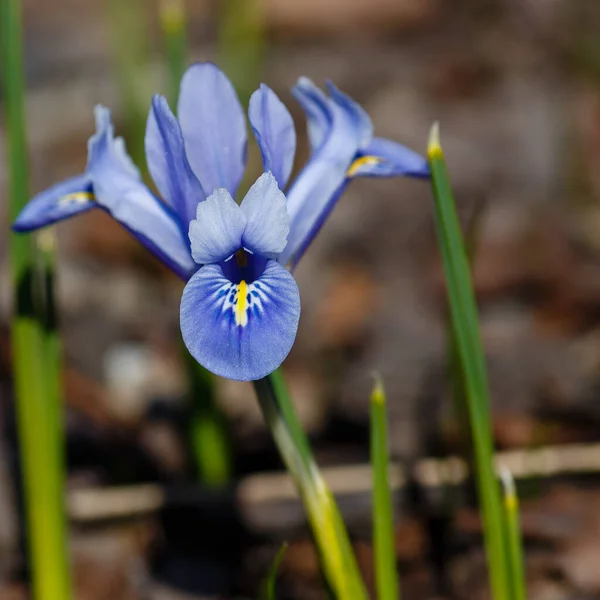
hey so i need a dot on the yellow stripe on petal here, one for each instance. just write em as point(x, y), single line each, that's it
point(361, 162)
point(76, 198)
point(241, 303)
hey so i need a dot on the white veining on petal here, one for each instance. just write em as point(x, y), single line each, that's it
point(242, 301)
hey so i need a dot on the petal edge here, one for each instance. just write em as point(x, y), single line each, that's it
point(216, 233)
point(61, 201)
point(225, 342)
point(274, 131)
point(268, 222)
point(213, 126)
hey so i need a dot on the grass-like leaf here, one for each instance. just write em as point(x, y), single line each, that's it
point(271, 578)
point(386, 576)
point(329, 532)
point(35, 346)
point(465, 327)
point(514, 546)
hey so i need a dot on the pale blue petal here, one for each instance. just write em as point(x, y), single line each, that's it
point(240, 331)
point(319, 114)
point(168, 163)
point(118, 189)
point(385, 158)
point(313, 193)
point(274, 131)
point(362, 121)
point(104, 147)
point(268, 223)
point(58, 202)
point(292, 262)
point(213, 126)
point(216, 233)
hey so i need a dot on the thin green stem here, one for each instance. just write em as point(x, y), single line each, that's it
point(386, 575)
point(465, 327)
point(271, 579)
point(515, 559)
point(337, 557)
point(208, 434)
point(457, 385)
point(34, 349)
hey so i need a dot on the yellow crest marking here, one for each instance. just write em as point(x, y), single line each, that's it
point(359, 162)
point(241, 316)
point(76, 198)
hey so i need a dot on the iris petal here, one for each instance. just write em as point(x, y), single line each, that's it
point(318, 112)
point(241, 331)
point(362, 121)
point(213, 126)
point(268, 223)
point(385, 158)
point(217, 231)
point(168, 163)
point(341, 135)
point(61, 201)
point(313, 194)
point(274, 131)
point(118, 189)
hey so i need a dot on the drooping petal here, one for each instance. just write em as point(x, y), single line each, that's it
point(241, 331)
point(312, 195)
point(274, 131)
point(213, 126)
point(315, 104)
point(168, 163)
point(268, 222)
point(216, 233)
point(385, 158)
point(58, 202)
point(118, 189)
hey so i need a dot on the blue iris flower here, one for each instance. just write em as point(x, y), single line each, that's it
point(240, 310)
point(343, 147)
point(240, 307)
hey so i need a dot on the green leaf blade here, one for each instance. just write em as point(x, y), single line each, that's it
point(465, 328)
point(386, 576)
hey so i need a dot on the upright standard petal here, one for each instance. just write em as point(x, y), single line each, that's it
point(58, 202)
point(362, 121)
point(118, 189)
point(217, 231)
point(268, 222)
point(315, 104)
point(168, 163)
point(274, 131)
point(241, 331)
point(213, 126)
point(385, 158)
point(340, 126)
point(314, 192)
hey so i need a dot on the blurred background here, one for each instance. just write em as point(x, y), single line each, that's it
point(515, 85)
